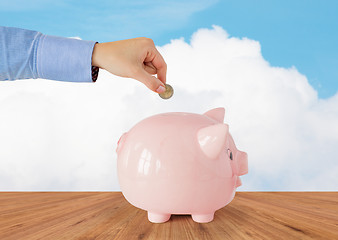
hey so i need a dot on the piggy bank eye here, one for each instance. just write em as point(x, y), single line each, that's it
point(230, 154)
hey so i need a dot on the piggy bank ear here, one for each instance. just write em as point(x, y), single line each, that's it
point(216, 114)
point(212, 139)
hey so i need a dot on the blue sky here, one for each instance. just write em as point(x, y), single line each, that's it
point(298, 33)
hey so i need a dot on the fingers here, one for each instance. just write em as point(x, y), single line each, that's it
point(149, 67)
point(155, 58)
point(151, 82)
point(154, 64)
point(160, 65)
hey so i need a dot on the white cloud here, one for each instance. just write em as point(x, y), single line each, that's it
point(62, 136)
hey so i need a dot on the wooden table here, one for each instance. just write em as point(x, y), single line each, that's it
point(107, 215)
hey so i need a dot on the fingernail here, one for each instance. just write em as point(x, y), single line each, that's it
point(160, 89)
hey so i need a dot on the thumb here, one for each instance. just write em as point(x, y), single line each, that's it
point(150, 81)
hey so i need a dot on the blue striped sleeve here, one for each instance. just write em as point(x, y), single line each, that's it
point(31, 54)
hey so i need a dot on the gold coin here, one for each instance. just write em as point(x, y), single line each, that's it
point(168, 93)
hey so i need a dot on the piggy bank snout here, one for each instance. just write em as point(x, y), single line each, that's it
point(242, 163)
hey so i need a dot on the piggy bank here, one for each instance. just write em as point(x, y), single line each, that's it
point(180, 163)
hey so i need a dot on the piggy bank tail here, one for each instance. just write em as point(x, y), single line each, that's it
point(120, 143)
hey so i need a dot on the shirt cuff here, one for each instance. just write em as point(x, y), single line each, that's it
point(64, 59)
point(95, 73)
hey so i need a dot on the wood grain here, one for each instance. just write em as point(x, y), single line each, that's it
point(107, 215)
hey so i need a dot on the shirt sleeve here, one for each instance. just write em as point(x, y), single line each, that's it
point(31, 54)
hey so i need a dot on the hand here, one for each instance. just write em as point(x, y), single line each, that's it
point(135, 58)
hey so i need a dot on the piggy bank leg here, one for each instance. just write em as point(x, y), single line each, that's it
point(158, 217)
point(202, 218)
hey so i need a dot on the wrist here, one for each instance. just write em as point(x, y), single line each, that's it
point(96, 55)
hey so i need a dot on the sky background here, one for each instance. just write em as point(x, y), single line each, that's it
point(302, 33)
point(272, 65)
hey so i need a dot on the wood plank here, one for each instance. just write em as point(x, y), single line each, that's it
point(107, 215)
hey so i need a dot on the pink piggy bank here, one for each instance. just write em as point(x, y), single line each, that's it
point(180, 163)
